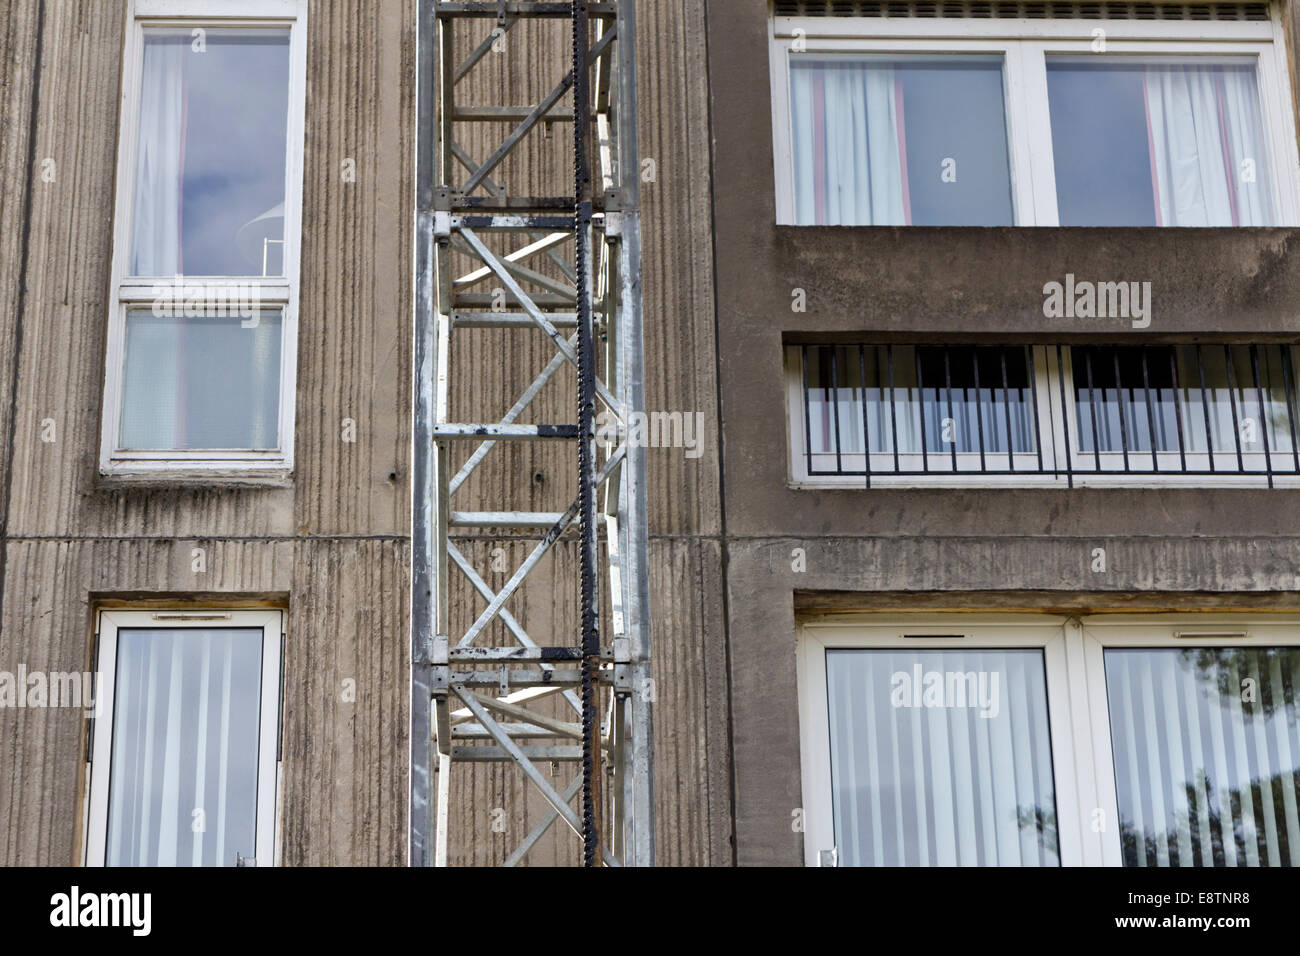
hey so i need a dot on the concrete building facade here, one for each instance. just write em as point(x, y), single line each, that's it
point(749, 557)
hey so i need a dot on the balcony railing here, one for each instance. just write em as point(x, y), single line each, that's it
point(1088, 414)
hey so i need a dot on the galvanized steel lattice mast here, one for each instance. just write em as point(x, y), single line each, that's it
point(473, 699)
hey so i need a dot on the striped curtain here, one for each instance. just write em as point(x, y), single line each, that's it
point(1207, 750)
point(185, 739)
point(941, 758)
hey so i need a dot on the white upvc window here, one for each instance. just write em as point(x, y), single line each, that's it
point(1025, 416)
point(1032, 739)
point(185, 760)
point(202, 331)
point(1032, 122)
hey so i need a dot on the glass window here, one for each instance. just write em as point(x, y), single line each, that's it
point(202, 334)
point(1206, 755)
point(900, 141)
point(210, 159)
point(941, 758)
point(1158, 142)
point(184, 769)
point(201, 382)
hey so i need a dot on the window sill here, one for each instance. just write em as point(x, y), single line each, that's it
point(135, 474)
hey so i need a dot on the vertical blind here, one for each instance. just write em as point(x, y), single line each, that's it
point(967, 782)
point(1207, 755)
point(183, 774)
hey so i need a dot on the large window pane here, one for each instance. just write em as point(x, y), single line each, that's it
point(1207, 755)
point(210, 163)
point(903, 141)
point(941, 758)
point(183, 788)
point(1158, 142)
point(203, 382)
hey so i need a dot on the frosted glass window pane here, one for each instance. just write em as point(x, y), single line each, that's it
point(201, 382)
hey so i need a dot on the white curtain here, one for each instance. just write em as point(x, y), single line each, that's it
point(1216, 402)
point(848, 145)
point(1207, 146)
point(156, 224)
point(150, 418)
point(887, 414)
point(941, 786)
point(897, 412)
point(1206, 766)
point(185, 747)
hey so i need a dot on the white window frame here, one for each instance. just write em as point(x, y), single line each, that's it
point(1053, 412)
point(1074, 664)
point(1097, 633)
point(980, 631)
point(268, 774)
point(275, 293)
point(1044, 361)
point(1024, 45)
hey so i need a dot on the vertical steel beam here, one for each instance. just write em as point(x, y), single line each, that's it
point(419, 807)
point(634, 523)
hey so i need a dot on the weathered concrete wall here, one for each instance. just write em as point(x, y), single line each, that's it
point(956, 549)
point(332, 545)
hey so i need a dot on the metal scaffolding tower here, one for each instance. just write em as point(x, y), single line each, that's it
point(470, 700)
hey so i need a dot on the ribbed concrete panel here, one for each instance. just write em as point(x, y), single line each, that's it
point(678, 261)
point(354, 319)
point(343, 796)
point(61, 365)
point(354, 324)
point(692, 770)
point(344, 762)
point(48, 626)
point(344, 789)
point(18, 26)
point(55, 488)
